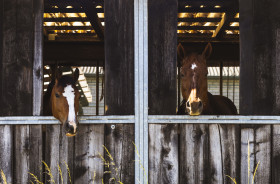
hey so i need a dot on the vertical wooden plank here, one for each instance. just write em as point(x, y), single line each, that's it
point(36, 135)
point(163, 154)
point(52, 152)
point(66, 156)
point(35, 152)
point(59, 151)
point(119, 86)
point(276, 128)
point(215, 155)
point(21, 159)
point(38, 58)
point(276, 154)
point(259, 138)
point(194, 154)
point(163, 148)
point(6, 153)
point(247, 135)
point(263, 154)
point(230, 143)
point(81, 155)
point(96, 165)
point(7, 58)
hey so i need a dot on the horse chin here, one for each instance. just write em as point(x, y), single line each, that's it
point(70, 135)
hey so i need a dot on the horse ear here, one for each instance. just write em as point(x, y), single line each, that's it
point(207, 51)
point(181, 54)
point(76, 75)
point(58, 74)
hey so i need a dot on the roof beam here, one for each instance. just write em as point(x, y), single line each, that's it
point(91, 11)
point(201, 10)
point(70, 10)
point(227, 18)
point(70, 19)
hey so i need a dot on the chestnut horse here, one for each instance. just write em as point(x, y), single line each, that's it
point(62, 101)
point(196, 99)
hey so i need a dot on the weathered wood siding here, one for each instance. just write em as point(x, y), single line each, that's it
point(119, 88)
point(163, 148)
point(259, 83)
point(21, 49)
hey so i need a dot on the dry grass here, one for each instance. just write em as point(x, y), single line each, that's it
point(248, 160)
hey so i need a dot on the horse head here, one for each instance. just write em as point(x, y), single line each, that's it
point(65, 101)
point(194, 78)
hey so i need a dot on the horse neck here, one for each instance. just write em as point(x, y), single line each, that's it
point(47, 108)
point(207, 109)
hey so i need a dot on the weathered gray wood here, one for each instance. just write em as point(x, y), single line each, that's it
point(163, 148)
point(96, 141)
point(230, 142)
point(38, 58)
point(81, 155)
point(276, 154)
point(194, 154)
point(36, 151)
point(119, 142)
point(52, 151)
point(66, 156)
point(215, 155)
point(163, 154)
point(119, 87)
point(260, 150)
point(6, 153)
point(263, 154)
point(59, 151)
point(22, 155)
point(247, 135)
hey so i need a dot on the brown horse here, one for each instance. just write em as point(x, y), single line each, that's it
point(196, 99)
point(62, 101)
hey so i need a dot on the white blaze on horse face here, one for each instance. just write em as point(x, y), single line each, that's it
point(70, 97)
point(193, 66)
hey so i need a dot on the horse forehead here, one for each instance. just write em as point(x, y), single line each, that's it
point(68, 91)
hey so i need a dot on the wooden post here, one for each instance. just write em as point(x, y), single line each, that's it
point(163, 148)
point(21, 49)
point(119, 87)
point(259, 83)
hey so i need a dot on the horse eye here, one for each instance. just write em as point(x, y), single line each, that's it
point(182, 75)
point(57, 95)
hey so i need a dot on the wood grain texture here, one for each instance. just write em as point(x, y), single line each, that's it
point(59, 151)
point(231, 155)
point(275, 154)
point(163, 148)
point(194, 154)
point(22, 155)
point(163, 154)
point(38, 58)
point(89, 166)
point(119, 88)
point(263, 154)
point(162, 56)
point(6, 153)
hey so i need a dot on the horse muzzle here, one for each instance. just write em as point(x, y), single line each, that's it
point(71, 128)
point(194, 108)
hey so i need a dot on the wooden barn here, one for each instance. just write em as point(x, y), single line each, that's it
point(129, 49)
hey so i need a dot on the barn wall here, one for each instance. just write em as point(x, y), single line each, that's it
point(21, 49)
point(259, 82)
point(119, 86)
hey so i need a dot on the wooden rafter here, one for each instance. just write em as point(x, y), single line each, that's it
point(91, 11)
point(227, 18)
point(70, 10)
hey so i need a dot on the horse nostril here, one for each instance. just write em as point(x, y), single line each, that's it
point(200, 104)
point(188, 104)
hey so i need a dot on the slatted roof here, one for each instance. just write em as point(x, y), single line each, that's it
point(198, 20)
